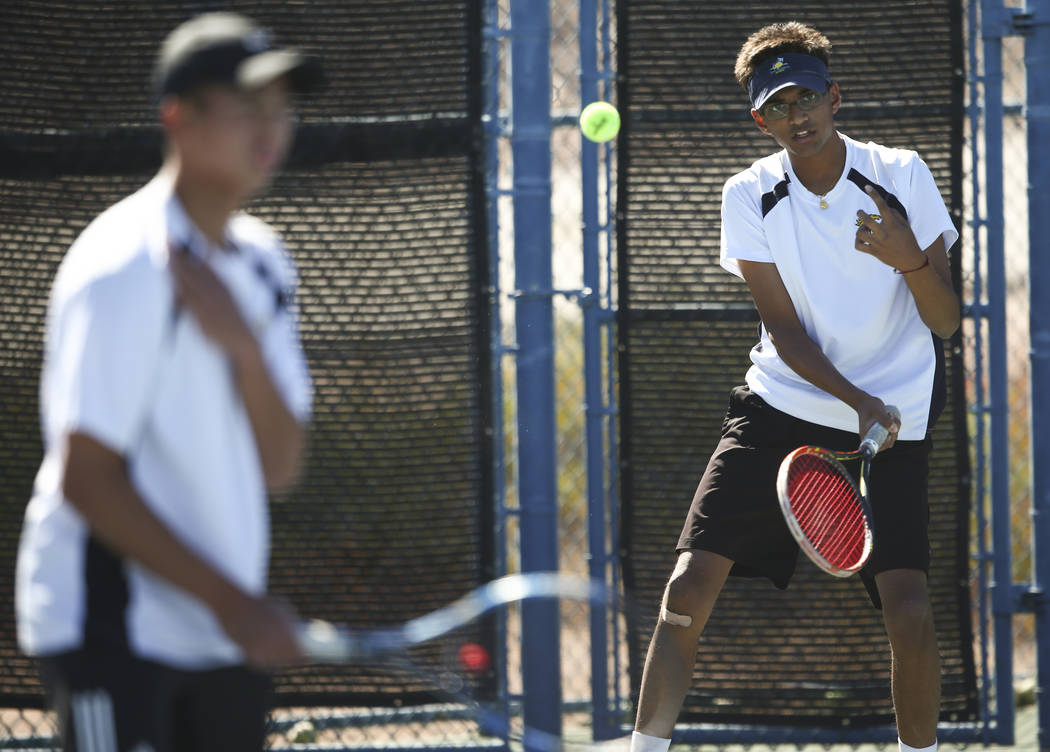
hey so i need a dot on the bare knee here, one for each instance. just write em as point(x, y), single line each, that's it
point(909, 621)
point(691, 591)
point(906, 606)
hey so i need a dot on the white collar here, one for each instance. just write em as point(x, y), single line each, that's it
point(800, 191)
point(182, 231)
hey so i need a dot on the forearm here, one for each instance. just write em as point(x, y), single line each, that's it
point(95, 482)
point(936, 301)
point(806, 359)
point(278, 435)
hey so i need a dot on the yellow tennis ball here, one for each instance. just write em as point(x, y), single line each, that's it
point(303, 732)
point(600, 122)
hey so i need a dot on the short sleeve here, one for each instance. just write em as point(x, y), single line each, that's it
point(743, 236)
point(929, 218)
point(285, 360)
point(106, 343)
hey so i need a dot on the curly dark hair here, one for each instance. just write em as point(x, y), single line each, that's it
point(776, 39)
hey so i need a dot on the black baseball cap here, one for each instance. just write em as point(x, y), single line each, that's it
point(228, 48)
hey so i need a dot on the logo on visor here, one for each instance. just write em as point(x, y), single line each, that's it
point(257, 41)
point(779, 66)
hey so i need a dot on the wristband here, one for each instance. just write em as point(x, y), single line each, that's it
point(909, 271)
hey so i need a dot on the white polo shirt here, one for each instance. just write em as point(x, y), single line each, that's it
point(127, 367)
point(853, 306)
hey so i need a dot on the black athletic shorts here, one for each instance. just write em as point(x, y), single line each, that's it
point(735, 511)
point(108, 700)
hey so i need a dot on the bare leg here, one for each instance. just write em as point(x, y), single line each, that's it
point(691, 592)
point(916, 668)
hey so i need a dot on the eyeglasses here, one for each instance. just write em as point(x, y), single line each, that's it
point(780, 110)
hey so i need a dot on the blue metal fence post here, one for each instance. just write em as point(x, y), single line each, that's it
point(493, 128)
point(608, 227)
point(604, 721)
point(977, 309)
point(999, 445)
point(1037, 63)
point(530, 146)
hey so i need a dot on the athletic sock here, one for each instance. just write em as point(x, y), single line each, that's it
point(904, 747)
point(645, 743)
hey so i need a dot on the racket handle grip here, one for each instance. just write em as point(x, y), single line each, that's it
point(878, 433)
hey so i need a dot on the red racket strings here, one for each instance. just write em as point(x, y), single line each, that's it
point(827, 509)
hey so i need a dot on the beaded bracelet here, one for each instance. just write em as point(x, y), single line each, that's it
point(922, 266)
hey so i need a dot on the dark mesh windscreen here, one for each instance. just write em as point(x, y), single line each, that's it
point(379, 208)
point(816, 654)
point(76, 66)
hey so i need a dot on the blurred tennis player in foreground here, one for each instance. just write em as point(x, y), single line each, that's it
point(844, 248)
point(174, 394)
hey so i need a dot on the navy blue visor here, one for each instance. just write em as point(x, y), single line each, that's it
point(782, 71)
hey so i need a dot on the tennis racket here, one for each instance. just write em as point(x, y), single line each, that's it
point(328, 643)
point(464, 666)
point(825, 510)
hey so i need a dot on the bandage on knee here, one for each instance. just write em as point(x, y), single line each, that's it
point(674, 619)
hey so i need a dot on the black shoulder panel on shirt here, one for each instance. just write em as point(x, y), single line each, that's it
point(280, 296)
point(862, 182)
point(769, 200)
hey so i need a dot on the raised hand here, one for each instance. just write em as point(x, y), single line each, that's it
point(201, 291)
point(890, 240)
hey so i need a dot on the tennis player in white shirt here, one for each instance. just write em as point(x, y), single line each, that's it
point(174, 395)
